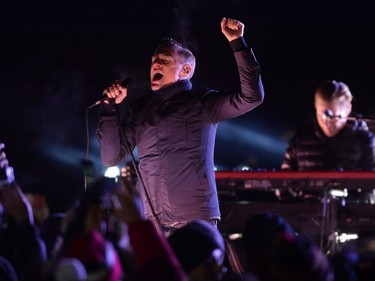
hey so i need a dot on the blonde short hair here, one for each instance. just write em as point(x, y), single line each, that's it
point(331, 90)
point(170, 45)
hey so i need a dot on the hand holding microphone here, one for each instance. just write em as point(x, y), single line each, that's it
point(115, 93)
point(118, 91)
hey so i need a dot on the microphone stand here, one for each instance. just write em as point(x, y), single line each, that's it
point(358, 118)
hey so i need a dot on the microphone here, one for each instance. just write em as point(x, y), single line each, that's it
point(328, 113)
point(126, 83)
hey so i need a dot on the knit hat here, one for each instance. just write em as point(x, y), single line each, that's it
point(98, 256)
point(195, 242)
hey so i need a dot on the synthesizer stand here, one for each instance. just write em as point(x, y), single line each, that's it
point(322, 205)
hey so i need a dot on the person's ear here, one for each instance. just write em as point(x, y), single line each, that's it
point(185, 71)
point(348, 109)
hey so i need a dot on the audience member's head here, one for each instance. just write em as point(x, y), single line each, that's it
point(365, 247)
point(298, 258)
point(344, 264)
point(260, 237)
point(200, 248)
point(98, 256)
point(366, 266)
point(70, 269)
point(84, 231)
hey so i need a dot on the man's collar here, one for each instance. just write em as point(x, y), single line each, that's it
point(175, 88)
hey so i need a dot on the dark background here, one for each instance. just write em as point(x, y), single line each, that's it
point(58, 56)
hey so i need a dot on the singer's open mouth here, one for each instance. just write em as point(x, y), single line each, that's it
point(157, 76)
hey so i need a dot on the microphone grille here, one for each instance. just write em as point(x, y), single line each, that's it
point(328, 113)
point(127, 83)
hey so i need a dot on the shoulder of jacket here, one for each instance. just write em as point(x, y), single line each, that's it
point(210, 91)
point(203, 92)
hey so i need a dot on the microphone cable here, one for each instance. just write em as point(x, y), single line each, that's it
point(155, 217)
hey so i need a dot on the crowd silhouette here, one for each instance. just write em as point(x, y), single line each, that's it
point(104, 236)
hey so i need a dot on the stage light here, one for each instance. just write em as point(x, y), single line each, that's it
point(234, 236)
point(338, 193)
point(112, 172)
point(344, 237)
point(243, 135)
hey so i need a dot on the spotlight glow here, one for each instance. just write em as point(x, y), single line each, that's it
point(112, 172)
point(344, 237)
